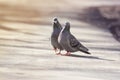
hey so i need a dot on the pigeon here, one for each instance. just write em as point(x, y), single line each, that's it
point(69, 42)
point(54, 36)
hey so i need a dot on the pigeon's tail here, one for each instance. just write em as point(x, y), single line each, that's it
point(86, 52)
point(83, 49)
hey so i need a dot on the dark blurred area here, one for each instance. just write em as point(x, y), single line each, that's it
point(106, 17)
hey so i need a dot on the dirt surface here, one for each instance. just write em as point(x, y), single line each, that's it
point(26, 52)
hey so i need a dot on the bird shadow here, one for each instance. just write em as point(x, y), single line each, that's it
point(89, 57)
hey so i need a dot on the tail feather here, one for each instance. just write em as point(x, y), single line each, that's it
point(84, 49)
point(86, 52)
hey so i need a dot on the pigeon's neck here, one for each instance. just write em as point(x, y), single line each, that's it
point(66, 30)
point(57, 26)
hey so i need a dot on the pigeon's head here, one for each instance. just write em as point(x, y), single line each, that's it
point(55, 20)
point(67, 26)
point(56, 23)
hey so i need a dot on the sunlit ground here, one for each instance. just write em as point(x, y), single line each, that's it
point(26, 52)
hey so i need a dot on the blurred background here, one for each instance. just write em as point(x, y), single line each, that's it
point(103, 14)
point(26, 27)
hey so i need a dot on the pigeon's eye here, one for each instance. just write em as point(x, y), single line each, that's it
point(55, 19)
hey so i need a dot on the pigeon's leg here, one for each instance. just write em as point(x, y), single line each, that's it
point(59, 53)
point(55, 49)
point(68, 53)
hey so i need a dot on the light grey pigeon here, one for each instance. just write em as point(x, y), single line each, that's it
point(54, 37)
point(69, 42)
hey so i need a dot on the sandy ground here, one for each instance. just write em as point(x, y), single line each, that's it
point(26, 52)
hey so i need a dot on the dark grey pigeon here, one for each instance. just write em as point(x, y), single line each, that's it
point(69, 42)
point(54, 37)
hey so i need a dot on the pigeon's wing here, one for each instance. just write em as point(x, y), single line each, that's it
point(76, 44)
point(73, 41)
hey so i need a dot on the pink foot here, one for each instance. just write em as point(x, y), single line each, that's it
point(58, 53)
point(55, 49)
point(67, 54)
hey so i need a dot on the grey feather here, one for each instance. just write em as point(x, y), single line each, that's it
point(54, 36)
point(69, 42)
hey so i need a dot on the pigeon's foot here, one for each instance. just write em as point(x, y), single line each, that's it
point(67, 54)
point(58, 53)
